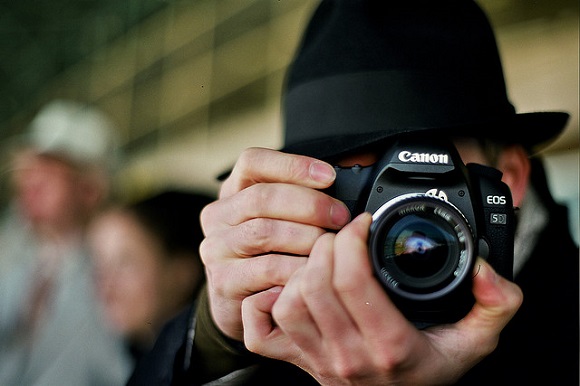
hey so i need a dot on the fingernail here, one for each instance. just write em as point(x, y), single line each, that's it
point(486, 270)
point(322, 172)
point(339, 214)
point(364, 216)
point(276, 290)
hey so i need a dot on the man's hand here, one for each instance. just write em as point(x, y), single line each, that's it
point(335, 321)
point(269, 214)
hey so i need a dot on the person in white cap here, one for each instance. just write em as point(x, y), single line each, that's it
point(51, 331)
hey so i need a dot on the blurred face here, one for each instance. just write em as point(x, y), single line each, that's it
point(46, 190)
point(471, 152)
point(132, 275)
point(468, 149)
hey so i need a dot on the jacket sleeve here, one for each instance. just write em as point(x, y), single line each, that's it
point(192, 351)
point(209, 356)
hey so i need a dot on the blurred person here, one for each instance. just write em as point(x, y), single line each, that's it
point(147, 265)
point(291, 297)
point(51, 332)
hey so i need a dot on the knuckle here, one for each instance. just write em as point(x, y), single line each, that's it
point(320, 204)
point(347, 284)
point(390, 358)
point(516, 299)
point(345, 368)
point(283, 311)
point(388, 362)
point(297, 169)
point(219, 271)
point(206, 249)
point(252, 344)
point(258, 234)
point(206, 216)
point(344, 365)
point(308, 289)
point(223, 282)
point(256, 198)
point(270, 270)
point(246, 159)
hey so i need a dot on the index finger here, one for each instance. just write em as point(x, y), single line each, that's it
point(257, 165)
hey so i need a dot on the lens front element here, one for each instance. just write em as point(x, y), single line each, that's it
point(421, 246)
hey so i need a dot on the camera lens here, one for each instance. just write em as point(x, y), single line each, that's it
point(421, 246)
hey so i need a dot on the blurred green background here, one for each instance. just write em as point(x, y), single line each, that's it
point(190, 84)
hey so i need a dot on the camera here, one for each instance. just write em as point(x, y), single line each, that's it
point(432, 216)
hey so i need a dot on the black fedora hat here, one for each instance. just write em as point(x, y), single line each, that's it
point(368, 70)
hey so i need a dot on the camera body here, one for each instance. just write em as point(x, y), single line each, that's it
point(432, 217)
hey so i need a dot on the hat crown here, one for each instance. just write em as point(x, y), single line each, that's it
point(358, 36)
point(370, 69)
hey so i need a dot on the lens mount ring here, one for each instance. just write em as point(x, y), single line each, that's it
point(421, 246)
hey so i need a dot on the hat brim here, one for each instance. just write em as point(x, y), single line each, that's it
point(534, 131)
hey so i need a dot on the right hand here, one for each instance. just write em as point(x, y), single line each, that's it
point(269, 213)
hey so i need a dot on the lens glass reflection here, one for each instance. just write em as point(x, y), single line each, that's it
point(421, 250)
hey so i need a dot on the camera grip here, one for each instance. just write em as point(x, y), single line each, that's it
point(497, 227)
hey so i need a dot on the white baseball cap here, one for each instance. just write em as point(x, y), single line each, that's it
point(73, 130)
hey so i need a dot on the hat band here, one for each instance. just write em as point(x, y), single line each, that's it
point(391, 102)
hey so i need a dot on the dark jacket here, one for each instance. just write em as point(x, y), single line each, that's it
point(540, 344)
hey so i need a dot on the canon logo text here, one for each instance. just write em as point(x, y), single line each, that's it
point(428, 158)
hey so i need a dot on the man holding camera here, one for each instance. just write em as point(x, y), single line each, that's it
point(292, 292)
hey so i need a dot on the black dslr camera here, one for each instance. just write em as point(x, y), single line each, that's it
point(432, 216)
